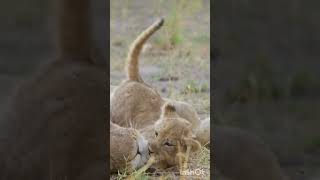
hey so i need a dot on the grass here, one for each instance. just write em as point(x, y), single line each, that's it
point(199, 160)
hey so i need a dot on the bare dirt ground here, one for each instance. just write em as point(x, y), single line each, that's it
point(181, 72)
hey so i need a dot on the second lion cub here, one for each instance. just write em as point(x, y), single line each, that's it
point(136, 104)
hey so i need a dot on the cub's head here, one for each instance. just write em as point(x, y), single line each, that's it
point(128, 149)
point(173, 135)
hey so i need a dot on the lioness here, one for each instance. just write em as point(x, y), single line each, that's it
point(131, 156)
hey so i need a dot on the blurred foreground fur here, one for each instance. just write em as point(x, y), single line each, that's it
point(239, 155)
point(56, 125)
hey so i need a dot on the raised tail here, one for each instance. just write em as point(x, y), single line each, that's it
point(74, 36)
point(135, 49)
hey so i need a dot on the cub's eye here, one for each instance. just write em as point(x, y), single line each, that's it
point(156, 133)
point(168, 144)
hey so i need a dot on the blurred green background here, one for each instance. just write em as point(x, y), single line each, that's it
point(266, 68)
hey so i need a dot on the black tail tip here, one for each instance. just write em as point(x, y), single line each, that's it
point(161, 21)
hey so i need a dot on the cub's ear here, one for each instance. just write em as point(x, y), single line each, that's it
point(193, 136)
point(169, 110)
point(194, 144)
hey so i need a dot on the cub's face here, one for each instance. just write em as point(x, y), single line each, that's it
point(128, 149)
point(172, 136)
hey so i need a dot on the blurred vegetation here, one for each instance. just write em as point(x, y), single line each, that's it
point(266, 73)
point(179, 11)
point(270, 50)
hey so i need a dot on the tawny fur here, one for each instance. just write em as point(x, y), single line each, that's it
point(171, 130)
point(56, 126)
point(128, 149)
point(135, 50)
point(135, 103)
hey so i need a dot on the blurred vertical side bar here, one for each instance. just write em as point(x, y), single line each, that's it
point(212, 82)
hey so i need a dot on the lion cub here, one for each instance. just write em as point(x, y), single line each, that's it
point(136, 104)
point(173, 135)
point(128, 149)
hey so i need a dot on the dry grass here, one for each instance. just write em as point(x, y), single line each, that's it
point(197, 161)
